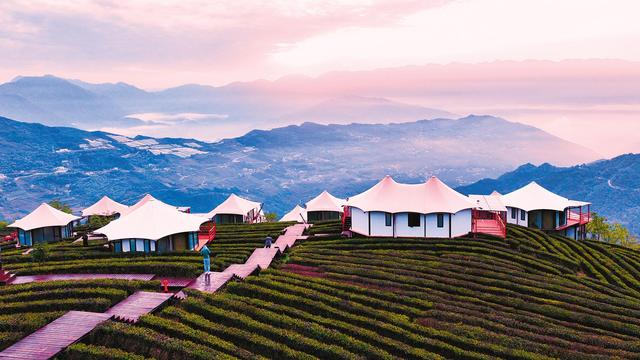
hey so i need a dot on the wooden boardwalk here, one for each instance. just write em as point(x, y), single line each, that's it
point(48, 341)
point(60, 277)
point(217, 281)
point(138, 304)
point(261, 258)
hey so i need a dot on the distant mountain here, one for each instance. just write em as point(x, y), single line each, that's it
point(613, 186)
point(56, 101)
point(282, 167)
point(359, 109)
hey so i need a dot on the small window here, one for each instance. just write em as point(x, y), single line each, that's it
point(514, 213)
point(132, 245)
point(413, 220)
point(440, 220)
point(523, 215)
point(126, 246)
point(387, 219)
point(153, 246)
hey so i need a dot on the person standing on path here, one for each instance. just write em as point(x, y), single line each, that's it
point(206, 259)
point(268, 241)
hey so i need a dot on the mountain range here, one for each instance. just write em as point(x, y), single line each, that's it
point(208, 112)
point(612, 186)
point(282, 167)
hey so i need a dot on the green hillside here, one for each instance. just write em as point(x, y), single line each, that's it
point(531, 296)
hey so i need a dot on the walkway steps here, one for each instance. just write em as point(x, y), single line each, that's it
point(242, 271)
point(60, 277)
point(51, 339)
point(216, 281)
point(261, 258)
point(140, 303)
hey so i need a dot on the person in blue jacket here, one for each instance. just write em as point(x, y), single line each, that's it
point(206, 257)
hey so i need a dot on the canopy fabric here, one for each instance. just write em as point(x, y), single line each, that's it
point(105, 207)
point(325, 202)
point(235, 205)
point(153, 220)
point(534, 197)
point(491, 202)
point(44, 216)
point(295, 214)
point(433, 196)
point(139, 204)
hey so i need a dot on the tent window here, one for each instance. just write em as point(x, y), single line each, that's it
point(387, 219)
point(153, 246)
point(413, 220)
point(440, 220)
point(514, 213)
point(523, 215)
point(126, 246)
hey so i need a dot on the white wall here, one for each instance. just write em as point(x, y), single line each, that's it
point(378, 227)
point(518, 220)
point(359, 221)
point(403, 229)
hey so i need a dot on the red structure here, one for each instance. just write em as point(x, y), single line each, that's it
point(489, 222)
point(206, 234)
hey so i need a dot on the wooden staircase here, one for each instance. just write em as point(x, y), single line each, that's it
point(206, 235)
point(346, 222)
point(487, 222)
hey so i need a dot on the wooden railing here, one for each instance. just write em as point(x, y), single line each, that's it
point(488, 215)
point(346, 212)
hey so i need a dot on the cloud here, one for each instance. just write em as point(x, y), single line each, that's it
point(215, 41)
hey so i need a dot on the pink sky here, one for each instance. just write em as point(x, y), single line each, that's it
point(155, 45)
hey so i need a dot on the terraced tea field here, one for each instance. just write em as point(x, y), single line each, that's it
point(532, 296)
point(233, 244)
point(27, 307)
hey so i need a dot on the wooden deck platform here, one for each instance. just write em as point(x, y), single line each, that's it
point(263, 257)
point(60, 277)
point(217, 281)
point(140, 303)
point(51, 339)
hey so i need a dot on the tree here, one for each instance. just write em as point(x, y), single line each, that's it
point(598, 227)
point(3, 225)
point(271, 217)
point(57, 204)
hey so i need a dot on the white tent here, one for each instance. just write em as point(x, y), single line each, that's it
point(491, 202)
point(430, 209)
point(44, 216)
point(325, 202)
point(534, 197)
point(298, 213)
point(433, 196)
point(152, 220)
point(235, 205)
point(105, 207)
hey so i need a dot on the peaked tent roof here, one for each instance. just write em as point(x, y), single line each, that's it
point(153, 220)
point(294, 214)
point(146, 198)
point(236, 205)
point(433, 196)
point(105, 207)
point(534, 197)
point(43, 216)
point(491, 202)
point(325, 202)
